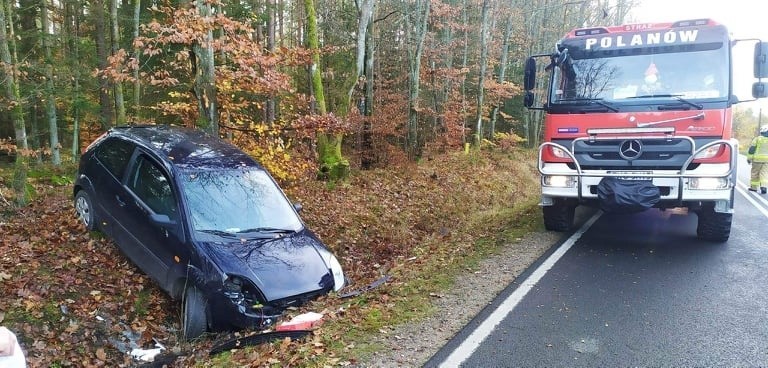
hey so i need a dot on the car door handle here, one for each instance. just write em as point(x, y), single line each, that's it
point(120, 201)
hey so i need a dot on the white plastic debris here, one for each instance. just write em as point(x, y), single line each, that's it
point(11, 355)
point(147, 355)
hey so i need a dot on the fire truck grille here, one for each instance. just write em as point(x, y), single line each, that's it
point(647, 154)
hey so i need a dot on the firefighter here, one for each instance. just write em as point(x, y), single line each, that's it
point(758, 157)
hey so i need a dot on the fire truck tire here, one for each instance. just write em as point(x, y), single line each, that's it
point(714, 226)
point(558, 217)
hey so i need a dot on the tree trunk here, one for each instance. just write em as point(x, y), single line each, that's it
point(118, 86)
point(49, 97)
point(137, 56)
point(503, 60)
point(269, 114)
point(363, 84)
point(417, 29)
point(205, 77)
point(484, 41)
point(332, 164)
point(72, 34)
point(12, 95)
point(102, 51)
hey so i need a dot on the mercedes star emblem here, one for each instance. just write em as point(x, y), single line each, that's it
point(630, 149)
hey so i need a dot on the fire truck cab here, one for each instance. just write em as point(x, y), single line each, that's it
point(639, 116)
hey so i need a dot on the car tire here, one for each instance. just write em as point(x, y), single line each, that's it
point(558, 217)
point(85, 210)
point(714, 226)
point(194, 313)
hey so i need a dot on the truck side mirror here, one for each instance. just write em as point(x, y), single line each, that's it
point(528, 99)
point(760, 89)
point(529, 77)
point(761, 60)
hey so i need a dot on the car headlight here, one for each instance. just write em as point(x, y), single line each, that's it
point(338, 273)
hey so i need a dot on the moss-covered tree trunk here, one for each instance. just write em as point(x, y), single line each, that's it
point(332, 164)
point(12, 94)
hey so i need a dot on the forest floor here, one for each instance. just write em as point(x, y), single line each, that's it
point(449, 232)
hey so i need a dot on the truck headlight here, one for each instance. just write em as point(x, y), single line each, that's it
point(710, 152)
point(559, 181)
point(559, 153)
point(708, 183)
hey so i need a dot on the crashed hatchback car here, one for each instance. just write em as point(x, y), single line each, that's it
point(206, 222)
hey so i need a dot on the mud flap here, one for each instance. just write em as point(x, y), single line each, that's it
point(616, 195)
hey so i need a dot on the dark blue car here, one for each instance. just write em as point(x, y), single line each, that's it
point(206, 222)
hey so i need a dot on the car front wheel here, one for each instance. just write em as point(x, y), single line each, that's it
point(194, 318)
point(84, 208)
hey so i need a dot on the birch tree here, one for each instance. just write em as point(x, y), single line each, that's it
point(485, 36)
point(416, 30)
point(49, 96)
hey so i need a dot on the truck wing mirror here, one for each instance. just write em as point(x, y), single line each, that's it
point(528, 99)
point(529, 77)
point(760, 89)
point(761, 60)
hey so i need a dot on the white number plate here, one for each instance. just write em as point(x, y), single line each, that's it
point(632, 175)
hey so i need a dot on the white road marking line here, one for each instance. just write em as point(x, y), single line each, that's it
point(468, 346)
point(741, 188)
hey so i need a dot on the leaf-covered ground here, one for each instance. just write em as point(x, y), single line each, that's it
point(74, 300)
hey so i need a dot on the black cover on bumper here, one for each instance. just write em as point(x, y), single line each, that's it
point(626, 196)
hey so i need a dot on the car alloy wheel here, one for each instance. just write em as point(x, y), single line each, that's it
point(84, 210)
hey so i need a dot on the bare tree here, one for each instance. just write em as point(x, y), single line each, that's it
point(487, 23)
point(416, 31)
point(49, 96)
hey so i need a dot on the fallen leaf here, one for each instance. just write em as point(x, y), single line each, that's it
point(101, 354)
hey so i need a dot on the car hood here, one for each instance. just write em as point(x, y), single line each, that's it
point(280, 267)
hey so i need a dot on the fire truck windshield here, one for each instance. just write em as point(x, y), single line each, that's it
point(689, 73)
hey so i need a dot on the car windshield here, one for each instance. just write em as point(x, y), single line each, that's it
point(699, 72)
point(237, 201)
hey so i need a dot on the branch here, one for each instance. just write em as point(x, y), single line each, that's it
point(386, 16)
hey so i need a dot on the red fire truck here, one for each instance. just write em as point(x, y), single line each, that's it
point(639, 116)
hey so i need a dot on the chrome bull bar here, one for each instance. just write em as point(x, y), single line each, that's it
point(680, 175)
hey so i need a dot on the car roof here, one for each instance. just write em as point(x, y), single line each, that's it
point(185, 147)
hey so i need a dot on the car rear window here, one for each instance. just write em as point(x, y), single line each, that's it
point(114, 155)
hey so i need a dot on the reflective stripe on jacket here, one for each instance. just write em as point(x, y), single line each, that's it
point(760, 144)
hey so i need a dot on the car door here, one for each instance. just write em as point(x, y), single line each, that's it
point(106, 173)
point(155, 221)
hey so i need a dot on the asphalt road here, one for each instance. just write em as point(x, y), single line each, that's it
point(634, 290)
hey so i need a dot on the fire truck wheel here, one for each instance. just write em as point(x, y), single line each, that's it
point(714, 226)
point(558, 217)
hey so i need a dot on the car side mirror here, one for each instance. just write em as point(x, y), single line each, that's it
point(162, 220)
point(298, 207)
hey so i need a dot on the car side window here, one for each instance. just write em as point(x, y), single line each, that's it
point(114, 155)
point(149, 183)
